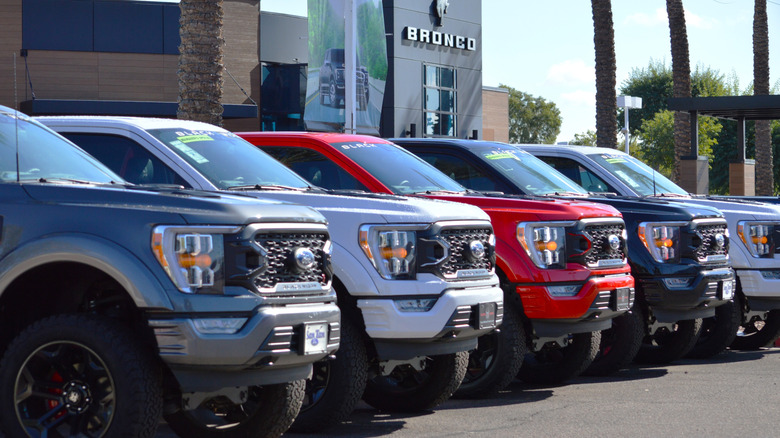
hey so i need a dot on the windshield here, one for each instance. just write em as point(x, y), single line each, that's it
point(637, 175)
point(398, 169)
point(531, 174)
point(44, 155)
point(226, 160)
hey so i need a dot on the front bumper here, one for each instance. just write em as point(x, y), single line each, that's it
point(451, 325)
point(696, 300)
point(268, 348)
point(761, 287)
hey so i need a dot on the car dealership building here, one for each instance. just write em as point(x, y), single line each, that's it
point(121, 57)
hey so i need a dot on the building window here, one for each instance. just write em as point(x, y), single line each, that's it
point(440, 101)
point(282, 96)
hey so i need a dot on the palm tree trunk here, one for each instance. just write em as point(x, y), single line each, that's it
point(201, 61)
point(681, 74)
point(764, 173)
point(606, 100)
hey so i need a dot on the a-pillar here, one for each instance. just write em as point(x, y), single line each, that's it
point(742, 172)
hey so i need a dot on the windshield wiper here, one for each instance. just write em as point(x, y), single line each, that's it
point(576, 194)
point(438, 192)
point(62, 180)
point(268, 187)
point(670, 195)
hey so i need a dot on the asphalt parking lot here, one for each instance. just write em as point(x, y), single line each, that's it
point(733, 394)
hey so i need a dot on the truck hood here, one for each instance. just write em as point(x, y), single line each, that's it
point(535, 208)
point(190, 206)
point(377, 208)
point(654, 209)
point(740, 209)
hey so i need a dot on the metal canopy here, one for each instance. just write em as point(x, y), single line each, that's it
point(730, 107)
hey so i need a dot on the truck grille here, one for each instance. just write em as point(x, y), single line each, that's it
point(280, 266)
point(709, 249)
point(460, 257)
point(601, 253)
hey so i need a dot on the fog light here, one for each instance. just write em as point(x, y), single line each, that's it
point(415, 305)
point(563, 291)
point(678, 283)
point(218, 326)
point(727, 291)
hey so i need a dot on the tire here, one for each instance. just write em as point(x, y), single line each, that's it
point(758, 334)
point(665, 346)
point(719, 331)
point(336, 385)
point(91, 377)
point(268, 413)
point(619, 344)
point(497, 359)
point(553, 365)
point(409, 390)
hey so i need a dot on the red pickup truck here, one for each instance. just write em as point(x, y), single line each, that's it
point(562, 264)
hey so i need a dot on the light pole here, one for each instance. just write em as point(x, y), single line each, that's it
point(627, 102)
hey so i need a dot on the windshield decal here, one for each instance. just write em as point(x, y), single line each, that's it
point(194, 137)
point(496, 155)
point(358, 146)
point(188, 151)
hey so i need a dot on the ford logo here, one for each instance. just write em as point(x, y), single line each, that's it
point(304, 258)
point(614, 242)
point(720, 240)
point(477, 249)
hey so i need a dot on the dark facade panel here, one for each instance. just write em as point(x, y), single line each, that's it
point(57, 25)
point(171, 38)
point(128, 27)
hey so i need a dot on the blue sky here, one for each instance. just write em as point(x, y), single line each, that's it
point(545, 48)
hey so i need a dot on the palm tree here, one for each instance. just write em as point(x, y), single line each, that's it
point(606, 100)
point(681, 76)
point(764, 175)
point(201, 61)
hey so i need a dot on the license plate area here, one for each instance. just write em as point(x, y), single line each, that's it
point(486, 316)
point(622, 298)
point(315, 338)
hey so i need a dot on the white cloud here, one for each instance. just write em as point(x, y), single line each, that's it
point(647, 20)
point(699, 22)
point(571, 72)
point(580, 98)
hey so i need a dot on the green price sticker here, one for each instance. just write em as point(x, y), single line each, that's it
point(500, 155)
point(191, 138)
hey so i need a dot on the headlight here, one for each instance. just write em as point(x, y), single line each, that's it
point(545, 243)
point(662, 240)
point(758, 238)
point(391, 251)
point(193, 257)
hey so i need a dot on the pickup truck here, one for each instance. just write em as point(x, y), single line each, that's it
point(661, 298)
point(752, 224)
point(121, 302)
point(415, 278)
point(562, 264)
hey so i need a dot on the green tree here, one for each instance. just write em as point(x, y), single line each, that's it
point(587, 138)
point(657, 140)
point(532, 119)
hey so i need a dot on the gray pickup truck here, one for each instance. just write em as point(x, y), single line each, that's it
point(119, 302)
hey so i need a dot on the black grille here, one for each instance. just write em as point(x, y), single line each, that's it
point(708, 246)
point(459, 254)
point(280, 267)
point(600, 248)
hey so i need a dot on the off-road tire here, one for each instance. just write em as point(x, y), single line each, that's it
point(409, 390)
point(754, 336)
point(336, 385)
point(556, 365)
point(619, 344)
point(83, 361)
point(666, 347)
point(497, 359)
point(268, 413)
point(719, 331)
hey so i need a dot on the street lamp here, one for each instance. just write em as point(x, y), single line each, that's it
point(627, 102)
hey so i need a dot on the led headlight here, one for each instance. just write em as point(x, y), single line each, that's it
point(545, 242)
point(758, 238)
point(193, 257)
point(662, 240)
point(391, 251)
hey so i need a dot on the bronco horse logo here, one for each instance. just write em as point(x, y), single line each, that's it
point(441, 8)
